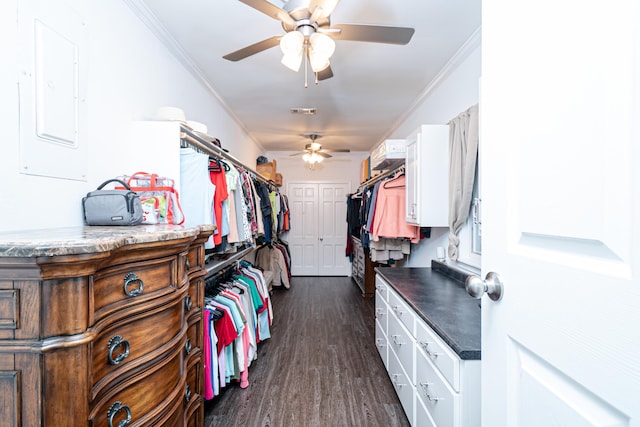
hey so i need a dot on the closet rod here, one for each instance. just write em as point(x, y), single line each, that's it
point(220, 265)
point(381, 176)
point(196, 141)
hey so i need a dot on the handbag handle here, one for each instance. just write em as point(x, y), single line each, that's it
point(151, 176)
point(114, 180)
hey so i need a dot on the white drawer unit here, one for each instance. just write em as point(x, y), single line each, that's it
point(435, 386)
point(382, 344)
point(402, 311)
point(439, 353)
point(402, 343)
point(402, 384)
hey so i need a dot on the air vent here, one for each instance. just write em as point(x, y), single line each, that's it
point(309, 111)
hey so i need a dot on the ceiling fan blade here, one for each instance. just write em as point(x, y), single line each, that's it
point(271, 10)
point(325, 74)
point(297, 154)
point(321, 8)
point(253, 49)
point(337, 150)
point(372, 33)
point(323, 154)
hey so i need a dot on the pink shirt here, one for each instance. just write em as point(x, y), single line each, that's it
point(390, 212)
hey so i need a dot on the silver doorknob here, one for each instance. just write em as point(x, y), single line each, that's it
point(491, 284)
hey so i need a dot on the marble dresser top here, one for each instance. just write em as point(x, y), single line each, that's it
point(87, 239)
point(438, 296)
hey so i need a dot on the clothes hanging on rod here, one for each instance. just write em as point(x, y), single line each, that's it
point(231, 341)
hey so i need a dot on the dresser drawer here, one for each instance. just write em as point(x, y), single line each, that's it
point(440, 400)
point(134, 341)
point(382, 345)
point(402, 385)
point(439, 353)
point(402, 311)
point(125, 285)
point(402, 343)
point(144, 395)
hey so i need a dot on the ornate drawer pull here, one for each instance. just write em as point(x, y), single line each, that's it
point(188, 303)
point(425, 347)
point(129, 280)
point(187, 346)
point(115, 342)
point(187, 394)
point(395, 340)
point(380, 342)
point(113, 411)
point(187, 265)
point(398, 312)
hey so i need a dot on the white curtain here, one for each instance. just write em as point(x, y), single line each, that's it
point(463, 153)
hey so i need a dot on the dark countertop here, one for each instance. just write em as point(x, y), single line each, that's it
point(88, 239)
point(438, 295)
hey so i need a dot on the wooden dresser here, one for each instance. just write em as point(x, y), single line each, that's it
point(102, 326)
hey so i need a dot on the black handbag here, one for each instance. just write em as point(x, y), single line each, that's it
point(112, 207)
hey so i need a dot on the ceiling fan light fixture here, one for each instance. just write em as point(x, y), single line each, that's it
point(322, 45)
point(312, 158)
point(292, 43)
point(292, 62)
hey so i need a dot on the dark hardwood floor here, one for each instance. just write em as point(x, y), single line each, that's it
point(319, 368)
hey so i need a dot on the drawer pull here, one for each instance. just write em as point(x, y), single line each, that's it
point(187, 265)
point(397, 311)
point(425, 347)
point(114, 343)
point(187, 346)
point(129, 280)
point(380, 312)
point(113, 411)
point(425, 390)
point(187, 394)
point(395, 340)
point(380, 342)
point(188, 303)
point(394, 378)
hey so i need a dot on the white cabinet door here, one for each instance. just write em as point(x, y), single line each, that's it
point(560, 124)
point(427, 183)
point(318, 235)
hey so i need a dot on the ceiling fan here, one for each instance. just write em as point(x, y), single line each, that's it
point(313, 151)
point(310, 35)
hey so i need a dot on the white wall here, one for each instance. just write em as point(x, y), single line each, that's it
point(456, 90)
point(342, 167)
point(130, 75)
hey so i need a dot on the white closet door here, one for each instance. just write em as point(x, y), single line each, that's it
point(559, 152)
point(318, 235)
point(332, 237)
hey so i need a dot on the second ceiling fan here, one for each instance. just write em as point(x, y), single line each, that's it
point(310, 35)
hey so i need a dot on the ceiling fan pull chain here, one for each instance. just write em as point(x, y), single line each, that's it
point(306, 59)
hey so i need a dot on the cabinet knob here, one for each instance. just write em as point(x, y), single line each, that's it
point(114, 409)
point(188, 303)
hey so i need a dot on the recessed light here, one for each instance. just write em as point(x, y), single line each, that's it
point(299, 110)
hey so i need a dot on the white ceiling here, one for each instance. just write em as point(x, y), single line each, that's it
point(374, 85)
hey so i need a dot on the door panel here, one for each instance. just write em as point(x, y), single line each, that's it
point(333, 230)
point(318, 233)
point(559, 131)
point(303, 200)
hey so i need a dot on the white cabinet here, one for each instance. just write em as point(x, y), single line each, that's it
point(427, 173)
point(435, 387)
